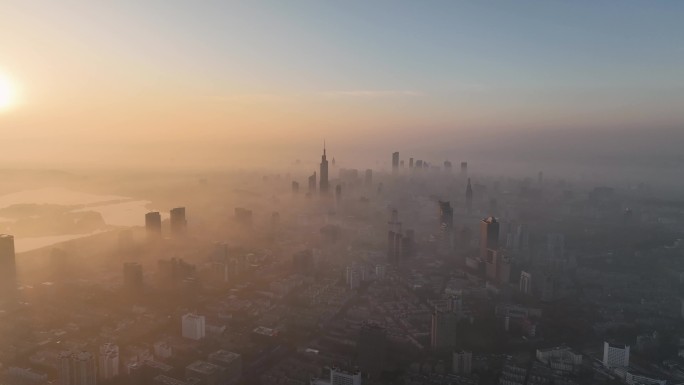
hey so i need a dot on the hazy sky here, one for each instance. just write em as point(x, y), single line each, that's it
point(98, 79)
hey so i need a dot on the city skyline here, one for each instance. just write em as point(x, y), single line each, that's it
point(107, 81)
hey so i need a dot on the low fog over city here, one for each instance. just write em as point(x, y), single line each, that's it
point(341, 193)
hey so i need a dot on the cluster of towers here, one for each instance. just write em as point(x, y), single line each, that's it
point(153, 222)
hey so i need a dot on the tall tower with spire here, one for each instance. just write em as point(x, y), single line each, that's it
point(324, 173)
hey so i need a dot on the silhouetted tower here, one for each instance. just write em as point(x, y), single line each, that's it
point(312, 183)
point(338, 193)
point(372, 348)
point(410, 162)
point(369, 177)
point(395, 161)
point(489, 236)
point(324, 184)
point(446, 215)
point(295, 187)
point(8, 270)
point(153, 224)
point(178, 221)
point(469, 197)
point(464, 170)
point(133, 276)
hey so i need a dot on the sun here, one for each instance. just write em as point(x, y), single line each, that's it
point(7, 92)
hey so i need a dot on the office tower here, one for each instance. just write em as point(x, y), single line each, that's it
point(519, 239)
point(525, 282)
point(615, 356)
point(8, 269)
point(295, 187)
point(344, 377)
point(153, 224)
point(353, 277)
point(132, 276)
point(324, 184)
point(312, 183)
point(464, 170)
point(447, 166)
point(395, 162)
point(446, 215)
point(410, 162)
point(338, 193)
point(419, 164)
point(178, 221)
point(77, 368)
point(230, 363)
point(489, 236)
point(462, 362)
point(469, 197)
point(368, 180)
point(443, 330)
point(193, 326)
point(108, 361)
point(372, 348)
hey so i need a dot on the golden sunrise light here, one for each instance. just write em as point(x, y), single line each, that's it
point(8, 94)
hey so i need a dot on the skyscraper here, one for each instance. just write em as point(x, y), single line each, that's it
point(153, 224)
point(77, 368)
point(372, 348)
point(108, 361)
point(368, 181)
point(469, 197)
point(489, 236)
point(312, 183)
point(443, 330)
point(8, 270)
point(324, 184)
point(295, 187)
point(464, 170)
point(178, 221)
point(410, 162)
point(446, 215)
point(395, 161)
point(193, 326)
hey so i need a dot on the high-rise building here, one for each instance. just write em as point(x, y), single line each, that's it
point(77, 368)
point(295, 187)
point(372, 348)
point(133, 276)
point(8, 270)
point(410, 162)
point(324, 183)
point(368, 181)
point(354, 276)
point(447, 166)
point(525, 282)
point(469, 197)
point(338, 193)
point(446, 215)
point(443, 330)
point(153, 224)
point(108, 361)
point(312, 183)
point(615, 356)
point(464, 170)
point(489, 236)
point(193, 326)
point(178, 221)
point(395, 161)
point(462, 362)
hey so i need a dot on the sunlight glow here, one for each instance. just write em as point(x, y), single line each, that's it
point(7, 92)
